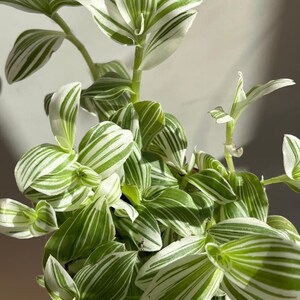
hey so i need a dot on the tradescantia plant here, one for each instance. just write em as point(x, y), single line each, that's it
point(130, 217)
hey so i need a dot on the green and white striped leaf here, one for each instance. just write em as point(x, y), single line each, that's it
point(220, 115)
point(176, 209)
point(105, 148)
point(103, 250)
point(236, 209)
point(82, 233)
point(108, 279)
point(114, 66)
point(213, 184)
point(108, 18)
point(171, 142)
point(144, 231)
point(58, 282)
point(176, 250)
point(125, 210)
point(63, 109)
point(205, 205)
point(39, 161)
point(250, 190)
point(234, 229)
point(204, 161)
point(31, 51)
point(47, 7)
point(166, 40)
point(151, 120)
point(191, 277)
point(242, 100)
point(262, 266)
point(291, 156)
point(70, 200)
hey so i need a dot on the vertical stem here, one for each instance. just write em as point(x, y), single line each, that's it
point(74, 40)
point(137, 73)
point(229, 142)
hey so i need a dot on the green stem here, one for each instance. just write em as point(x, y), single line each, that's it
point(74, 40)
point(137, 72)
point(277, 179)
point(229, 142)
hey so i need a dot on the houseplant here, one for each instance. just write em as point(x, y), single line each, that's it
point(132, 218)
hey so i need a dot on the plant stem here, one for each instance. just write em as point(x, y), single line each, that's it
point(74, 40)
point(229, 141)
point(277, 179)
point(137, 73)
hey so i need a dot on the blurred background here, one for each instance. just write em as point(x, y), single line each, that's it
point(259, 38)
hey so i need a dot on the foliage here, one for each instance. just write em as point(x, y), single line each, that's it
point(132, 218)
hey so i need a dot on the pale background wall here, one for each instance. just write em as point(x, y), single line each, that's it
point(259, 38)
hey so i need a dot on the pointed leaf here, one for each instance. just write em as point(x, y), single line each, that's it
point(114, 66)
point(58, 282)
point(62, 114)
point(31, 51)
point(220, 115)
point(291, 156)
point(125, 210)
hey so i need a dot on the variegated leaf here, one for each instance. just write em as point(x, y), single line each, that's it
point(144, 231)
point(176, 209)
point(105, 148)
point(171, 142)
point(151, 120)
point(220, 115)
point(166, 40)
point(205, 205)
point(108, 18)
point(31, 51)
point(236, 209)
point(114, 66)
point(63, 109)
point(58, 282)
point(191, 277)
point(213, 184)
point(176, 250)
point(47, 7)
point(108, 279)
point(125, 210)
point(82, 233)
point(250, 190)
point(262, 267)
point(39, 161)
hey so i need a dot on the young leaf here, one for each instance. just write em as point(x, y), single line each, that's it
point(125, 210)
point(191, 277)
point(39, 161)
point(176, 250)
point(114, 66)
point(62, 114)
point(58, 282)
point(108, 279)
point(166, 40)
point(220, 115)
point(31, 51)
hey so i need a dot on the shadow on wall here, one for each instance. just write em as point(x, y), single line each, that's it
point(279, 115)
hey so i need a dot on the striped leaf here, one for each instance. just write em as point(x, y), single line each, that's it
point(108, 279)
point(191, 277)
point(167, 39)
point(234, 229)
point(176, 250)
point(58, 282)
point(250, 190)
point(213, 184)
point(262, 266)
point(125, 210)
point(47, 7)
point(108, 18)
point(236, 209)
point(242, 100)
point(204, 161)
point(31, 51)
point(144, 231)
point(176, 209)
point(151, 120)
point(205, 205)
point(114, 66)
point(63, 109)
point(81, 233)
point(291, 156)
point(105, 148)
point(22, 222)
point(171, 142)
point(220, 115)
point(39, 161)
